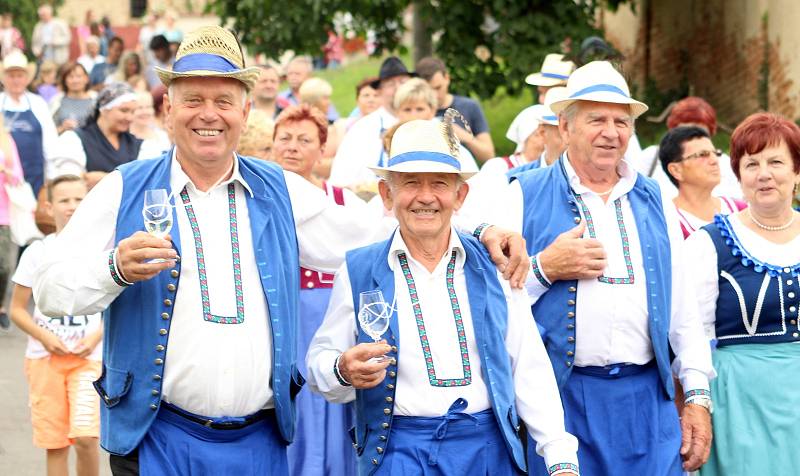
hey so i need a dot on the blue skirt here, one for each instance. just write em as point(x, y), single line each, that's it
point(322, 443)
point(470, 445)
point(623, 423)
point(176, 446)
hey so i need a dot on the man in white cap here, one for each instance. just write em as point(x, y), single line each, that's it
point(217, 298)
point(448, 401)
point(555, 72)
point(610, 291)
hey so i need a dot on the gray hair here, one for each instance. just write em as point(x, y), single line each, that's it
point(570, 112)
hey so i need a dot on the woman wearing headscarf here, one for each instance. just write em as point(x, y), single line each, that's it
point(105, 142)
point(746, 267)
point(692, 163)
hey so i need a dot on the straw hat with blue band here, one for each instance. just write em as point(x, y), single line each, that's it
point(209, 51)
point(555, 72)
point(422, 146)
point(598, 81)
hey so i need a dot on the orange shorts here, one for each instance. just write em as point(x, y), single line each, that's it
point(64, 404)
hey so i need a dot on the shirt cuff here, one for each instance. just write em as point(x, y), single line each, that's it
point(538, 272)
point(562, 468)
point(561, 457)
point(113, 270)
point(694, 380)
point(478, 232)
point(339, 378)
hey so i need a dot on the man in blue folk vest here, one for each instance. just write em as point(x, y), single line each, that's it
point(617, 311)
point(471, 364)
point(199, 373)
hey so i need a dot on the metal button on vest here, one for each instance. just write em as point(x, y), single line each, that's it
point(387, 411)
point(168, 302)
point(577, 219)
point(158, 361)
point(379, 450)
point(570, 339)
point(390, 387)
point(393, 374)
point(570, 315)
point(174, 273)
point(171, 287)
point(574, 210)
point(382, 438)
point(793, 322)
point(570, 353)
point(308, 273)
point(571, 326)
point(392, 361)
point(384, 425)
point(160, 348)
point(374, 461)
point(163, 332)
point(156, 377)
point(792, 308)
point(791, 295)
point(154, 392)
point(789, 282)
point(569, 364)
point(572, 289)
point(795, 335)
point(310, 285)
point(571, 302)
point(389, 399)
point(153, 406)
point(786, 270)
point(355, 445)
point(394, 348)
point(165, 315)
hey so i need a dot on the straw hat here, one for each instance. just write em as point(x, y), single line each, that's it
point(555, 72)
point(209, 51)
point(424, 146)
point(598, 81)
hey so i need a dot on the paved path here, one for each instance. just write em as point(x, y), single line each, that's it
point(18, 456)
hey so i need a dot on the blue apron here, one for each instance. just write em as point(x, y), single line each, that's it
point(27, 133)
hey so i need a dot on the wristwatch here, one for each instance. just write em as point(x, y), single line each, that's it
point(704, 402)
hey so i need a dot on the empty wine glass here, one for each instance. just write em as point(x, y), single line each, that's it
point(157, 213)
point(373, 315)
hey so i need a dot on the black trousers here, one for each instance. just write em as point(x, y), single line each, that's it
point(127, 465)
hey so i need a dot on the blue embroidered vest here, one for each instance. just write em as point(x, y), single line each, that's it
point(137, 323)
point(550, 209)
point(369, 270)
point(758, 302)
point(533, 165)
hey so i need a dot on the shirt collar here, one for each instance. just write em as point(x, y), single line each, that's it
point(399, 246)
point(627, 178)
point(179, 179)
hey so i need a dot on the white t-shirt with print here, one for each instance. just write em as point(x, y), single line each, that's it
point(70, 329)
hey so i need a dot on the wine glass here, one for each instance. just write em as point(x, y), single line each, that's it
point(373, 315)
point(157, 213)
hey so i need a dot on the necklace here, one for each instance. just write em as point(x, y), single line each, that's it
point(771, 228)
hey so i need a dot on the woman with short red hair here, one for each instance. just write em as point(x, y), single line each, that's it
point(321, 443)
point(690, 111)
point(747, 267)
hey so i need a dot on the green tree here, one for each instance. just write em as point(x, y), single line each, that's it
point(25, 15)
point(485, 43)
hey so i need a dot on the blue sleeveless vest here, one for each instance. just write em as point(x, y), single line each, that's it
point(745, 315)
point(137, 323)
point(516, 171)
point(369, 270)
point(549, 210)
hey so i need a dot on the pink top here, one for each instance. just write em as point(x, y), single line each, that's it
point(16, 173)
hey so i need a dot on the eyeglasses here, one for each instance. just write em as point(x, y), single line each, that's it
point(703, 154)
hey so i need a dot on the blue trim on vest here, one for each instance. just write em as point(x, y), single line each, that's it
point(600, 88)
point(135, 320)
point(369, 270)
point(774, 312)
point(555, 76)
point(549, 210)
point(425, 157)
point(204, 62)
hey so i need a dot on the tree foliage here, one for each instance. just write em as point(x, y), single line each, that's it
point(485, 43)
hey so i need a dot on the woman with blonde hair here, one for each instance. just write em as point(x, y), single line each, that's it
point(256, 140)
point(10, 174)
point(317, 92)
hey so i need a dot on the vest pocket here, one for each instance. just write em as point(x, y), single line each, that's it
point(112, 385)
point(513, 419)
point(359, 439)
point(297, 383)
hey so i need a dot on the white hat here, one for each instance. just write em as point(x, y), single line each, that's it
point(15, 60)
point(525, 124)
point(553, 95)
point(598, 81)
point(423, 146)
point(555, 71)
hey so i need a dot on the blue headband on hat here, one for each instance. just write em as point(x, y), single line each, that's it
point(554, 76)
point(549, 118)
point(204, 62)
point(425, 156)
point(600, 88)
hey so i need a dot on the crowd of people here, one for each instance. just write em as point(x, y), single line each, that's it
point(580, 306)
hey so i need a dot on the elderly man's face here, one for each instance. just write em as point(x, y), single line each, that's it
point(205, 116)
point(267, 85)
point(423, 203)
point(16, 80)
point(296, 73)
point(597, 137)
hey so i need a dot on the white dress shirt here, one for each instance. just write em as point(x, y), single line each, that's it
point(701, 262)
point(537, 400)
point(40, 110)
point(199, 376)
point(612, 320)
point(361, 147)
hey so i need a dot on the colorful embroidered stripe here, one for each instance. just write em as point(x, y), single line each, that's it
point(423, 335)
point(201, 262)
point(537, 272)
point(342, 381)
point(112, 268)
point(563, 467)
point(479, 230)
point(626, 245)
point(700, 392)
